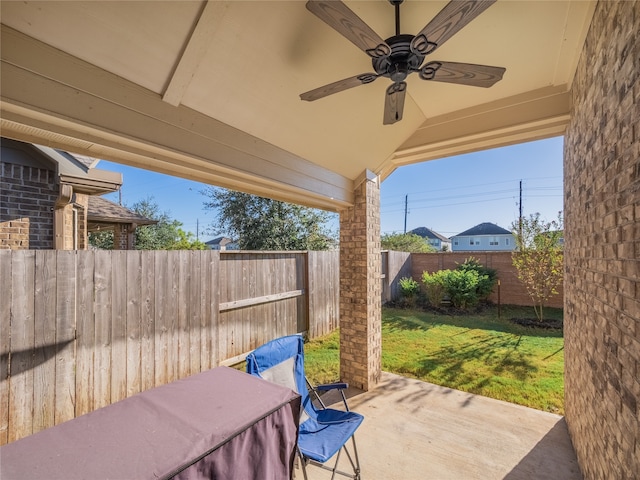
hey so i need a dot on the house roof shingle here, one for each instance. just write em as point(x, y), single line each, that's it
point(101, 210)
point(484, 229)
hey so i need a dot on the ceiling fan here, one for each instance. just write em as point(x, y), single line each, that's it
point(400, 55)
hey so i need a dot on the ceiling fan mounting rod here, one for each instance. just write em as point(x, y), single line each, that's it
point(396, 4)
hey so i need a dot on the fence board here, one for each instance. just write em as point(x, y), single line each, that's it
point(171, 318)
point(161, 320)
point(5, 333)
point(102, 314)
point(21, 401)
point(147, 320)
point(45, 340)
point(195, 310)
point(119, 292)
point(182, 304)
point(133, 275)
point(65, 336)
point(208, 350)
point(85, 334)
point(213, 323)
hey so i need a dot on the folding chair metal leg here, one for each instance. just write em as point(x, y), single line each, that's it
point(303, 463)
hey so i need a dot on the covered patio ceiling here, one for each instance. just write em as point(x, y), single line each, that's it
point(210, 90)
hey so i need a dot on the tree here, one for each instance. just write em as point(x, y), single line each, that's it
point(260, 223)
point(102, 239)
point(167, 234)
point(406, 242)
point(538, 257)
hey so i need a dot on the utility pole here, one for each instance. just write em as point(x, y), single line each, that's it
point(406, 209)
point(197, 229)
point(520, 215)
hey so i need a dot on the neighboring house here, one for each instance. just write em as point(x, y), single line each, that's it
point(47, 199)
point(485, 236)
point(105, 215)
point(439, 242)
point(222, 243)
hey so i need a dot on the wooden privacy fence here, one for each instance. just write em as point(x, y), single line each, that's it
point(395, 265)
point(82, 329)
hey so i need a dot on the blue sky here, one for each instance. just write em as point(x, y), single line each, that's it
point(448, 195)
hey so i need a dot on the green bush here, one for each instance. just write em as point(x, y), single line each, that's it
point(409, 288)
point(462, 286)
point(487, 277)
point(435, 286)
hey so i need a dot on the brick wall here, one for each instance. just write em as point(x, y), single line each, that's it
point(602, 249)
point(512, 291)
point(360, 289)
point(26, 222)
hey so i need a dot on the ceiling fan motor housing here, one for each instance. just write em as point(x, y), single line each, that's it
point(401, 62)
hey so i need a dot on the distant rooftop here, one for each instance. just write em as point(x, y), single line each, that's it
point(484, 229)
point(425, 232)
point(222, 241)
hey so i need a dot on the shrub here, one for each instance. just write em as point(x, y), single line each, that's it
point(409, 288)
point(435, 286)
point(462, 287)
point(487, 277)
point(409, 291)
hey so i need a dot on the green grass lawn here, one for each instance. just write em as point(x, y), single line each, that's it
point(478, 353)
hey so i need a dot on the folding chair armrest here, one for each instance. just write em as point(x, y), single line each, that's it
point(340, 386)
point(332, 386)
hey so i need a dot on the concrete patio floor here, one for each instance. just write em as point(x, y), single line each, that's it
point(417, 430)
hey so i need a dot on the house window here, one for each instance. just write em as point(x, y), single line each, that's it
point(455, 242)
point(493, 241)
point(471, 241)
point(506, 241)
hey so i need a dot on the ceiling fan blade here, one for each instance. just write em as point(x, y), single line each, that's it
point(339, 17)
point(449, 21)
point(462, 73)
point(338, 86)
point(394, 103)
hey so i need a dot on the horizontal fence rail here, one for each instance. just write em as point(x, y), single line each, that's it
point(80, 330)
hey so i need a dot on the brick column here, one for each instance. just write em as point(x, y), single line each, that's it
point(602, 248)
point(360, 287)
point(123, 237)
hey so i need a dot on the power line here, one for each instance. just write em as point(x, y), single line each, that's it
point(478, 185)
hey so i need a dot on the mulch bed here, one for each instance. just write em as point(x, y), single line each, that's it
point(535, 323)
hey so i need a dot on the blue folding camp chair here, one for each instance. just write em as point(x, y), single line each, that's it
point(323, 432)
